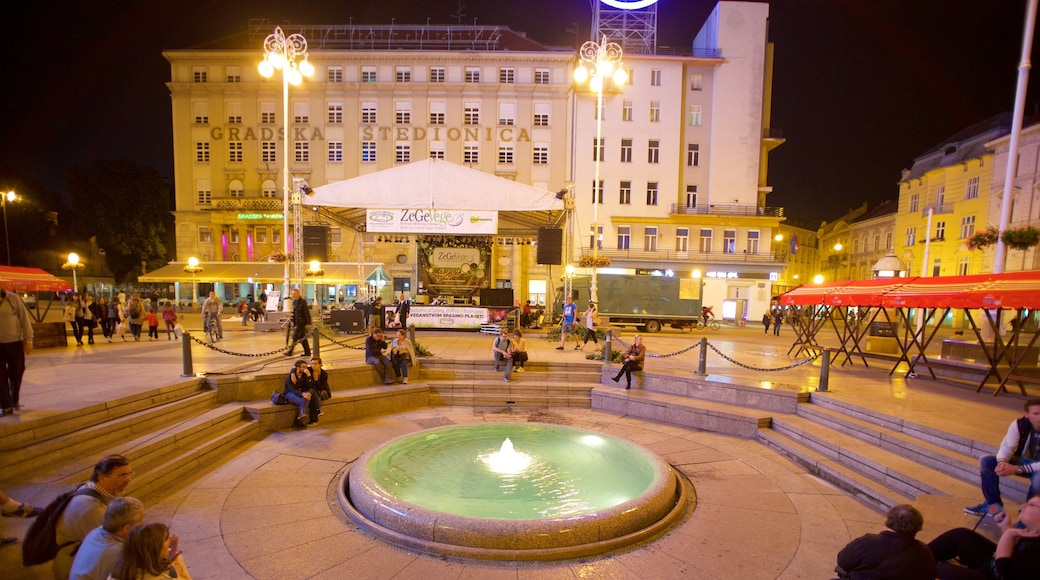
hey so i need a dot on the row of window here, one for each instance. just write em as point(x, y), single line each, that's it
point(437, 116)
point(402, 152)
point(877, 243)
point(261, 235)
point(971, 191)
point(651, 235)
point(939, 231)
point(438, 74)
point(653, 151)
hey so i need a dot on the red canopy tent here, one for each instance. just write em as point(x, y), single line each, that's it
point(1018, 291)
point(21, 279)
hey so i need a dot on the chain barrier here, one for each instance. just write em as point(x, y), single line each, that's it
point(242, 354)
point(671, 354)
point(763, 369)
point(730, 359)
point(335, 341)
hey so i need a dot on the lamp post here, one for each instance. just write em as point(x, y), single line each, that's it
point(193, 268)
point(4, 200)
point(280, 53)
point(599, 61)
point(73, 264)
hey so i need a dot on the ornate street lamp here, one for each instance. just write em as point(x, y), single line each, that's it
point(599, 61)
point(280, 53)
point(4, 200)
point(193, 268)
point(73, 264)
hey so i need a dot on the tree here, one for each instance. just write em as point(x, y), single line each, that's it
point(127, 208)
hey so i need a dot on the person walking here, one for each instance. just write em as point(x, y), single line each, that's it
point(73, 314)
point(767, 318)
point(112, 316)
point(169, 316)
point(778, 319)
point(90, 317)
point(591, 322)
point(301, 318)
point(135, 314)
point(570, 316)
point(16, 342)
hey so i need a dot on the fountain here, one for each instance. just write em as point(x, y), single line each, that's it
point(512, 491)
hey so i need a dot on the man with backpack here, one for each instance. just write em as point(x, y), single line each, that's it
point(1019, 454)
point(83, 511)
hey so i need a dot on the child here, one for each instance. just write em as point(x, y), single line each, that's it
point(153, 325)
point(170, 318)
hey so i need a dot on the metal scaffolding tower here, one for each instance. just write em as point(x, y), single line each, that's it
point(634, 30)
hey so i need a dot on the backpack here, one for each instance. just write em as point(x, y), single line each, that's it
point(41, 542)
point(135, 310)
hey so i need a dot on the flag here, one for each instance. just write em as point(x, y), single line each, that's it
point(794, 244)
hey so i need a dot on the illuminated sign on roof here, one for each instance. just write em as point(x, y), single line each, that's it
point(629, 4)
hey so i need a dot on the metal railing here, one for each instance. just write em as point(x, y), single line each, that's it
point(725, 209)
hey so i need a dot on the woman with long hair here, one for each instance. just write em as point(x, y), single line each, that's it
point(149, 553)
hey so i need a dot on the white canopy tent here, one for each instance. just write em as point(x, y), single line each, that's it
point(433, 184)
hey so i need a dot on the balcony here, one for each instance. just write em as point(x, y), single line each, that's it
point(731, 210)
point(660, 256)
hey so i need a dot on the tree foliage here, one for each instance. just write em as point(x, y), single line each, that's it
point(127, 208)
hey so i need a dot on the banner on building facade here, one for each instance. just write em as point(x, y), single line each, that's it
point(431, 221)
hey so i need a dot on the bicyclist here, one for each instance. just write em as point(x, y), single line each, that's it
point(706, 314)
point(211, 311)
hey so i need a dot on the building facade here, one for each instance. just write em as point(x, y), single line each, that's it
point(682, 162)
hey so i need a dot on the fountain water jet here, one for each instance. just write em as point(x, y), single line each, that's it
point(467, 491)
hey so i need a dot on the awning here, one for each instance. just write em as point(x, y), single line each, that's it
point(1014, 290)
point(257, 272)
point(21, 279)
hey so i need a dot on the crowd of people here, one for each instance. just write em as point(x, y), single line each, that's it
point(101, 534)
point(118, 315)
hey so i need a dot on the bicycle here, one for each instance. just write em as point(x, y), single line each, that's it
point(210, 329)
point(711, 323)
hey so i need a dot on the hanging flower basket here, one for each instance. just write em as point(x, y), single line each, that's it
point(598, 261)
point(983, 239)
point(1021, 238)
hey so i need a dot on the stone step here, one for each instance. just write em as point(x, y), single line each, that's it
point(188, 463)
point(873, 493)
point(144, 449)
point(943, 452)
point(781, 400)
point(65, 447)
point(30, 430)
point(905, 476)
point(682, 410)
point(345, 405)
point(518, 392)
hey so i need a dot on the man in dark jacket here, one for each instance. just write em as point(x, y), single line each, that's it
point(890, 554)
point(301, 317)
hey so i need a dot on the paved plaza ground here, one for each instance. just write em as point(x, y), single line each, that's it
point(269, 510)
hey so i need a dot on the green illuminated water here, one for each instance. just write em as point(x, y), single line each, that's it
point(572, 472)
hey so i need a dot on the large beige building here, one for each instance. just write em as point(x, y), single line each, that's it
point(683, 159)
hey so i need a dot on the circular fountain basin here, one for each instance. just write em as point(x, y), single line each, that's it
point(550, 492)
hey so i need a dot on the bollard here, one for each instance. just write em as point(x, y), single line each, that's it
point(702, 360)
point(411, 334)
point(188, 369)
point(825, 371)
point(606, 345)
point(316, 347)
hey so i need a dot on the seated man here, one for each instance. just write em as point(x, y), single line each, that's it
point(502, 351)
point(375, 355)
point(1019, 454)
point(1015, 555)
point(86, 510)
point(890, 554)
point(298, 391)
point(97, 555)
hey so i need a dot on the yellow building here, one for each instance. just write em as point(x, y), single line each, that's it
point(944, 198)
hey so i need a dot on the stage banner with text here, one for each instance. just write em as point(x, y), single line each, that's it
point(431, 221)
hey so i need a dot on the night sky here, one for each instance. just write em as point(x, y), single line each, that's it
point(860, 87)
